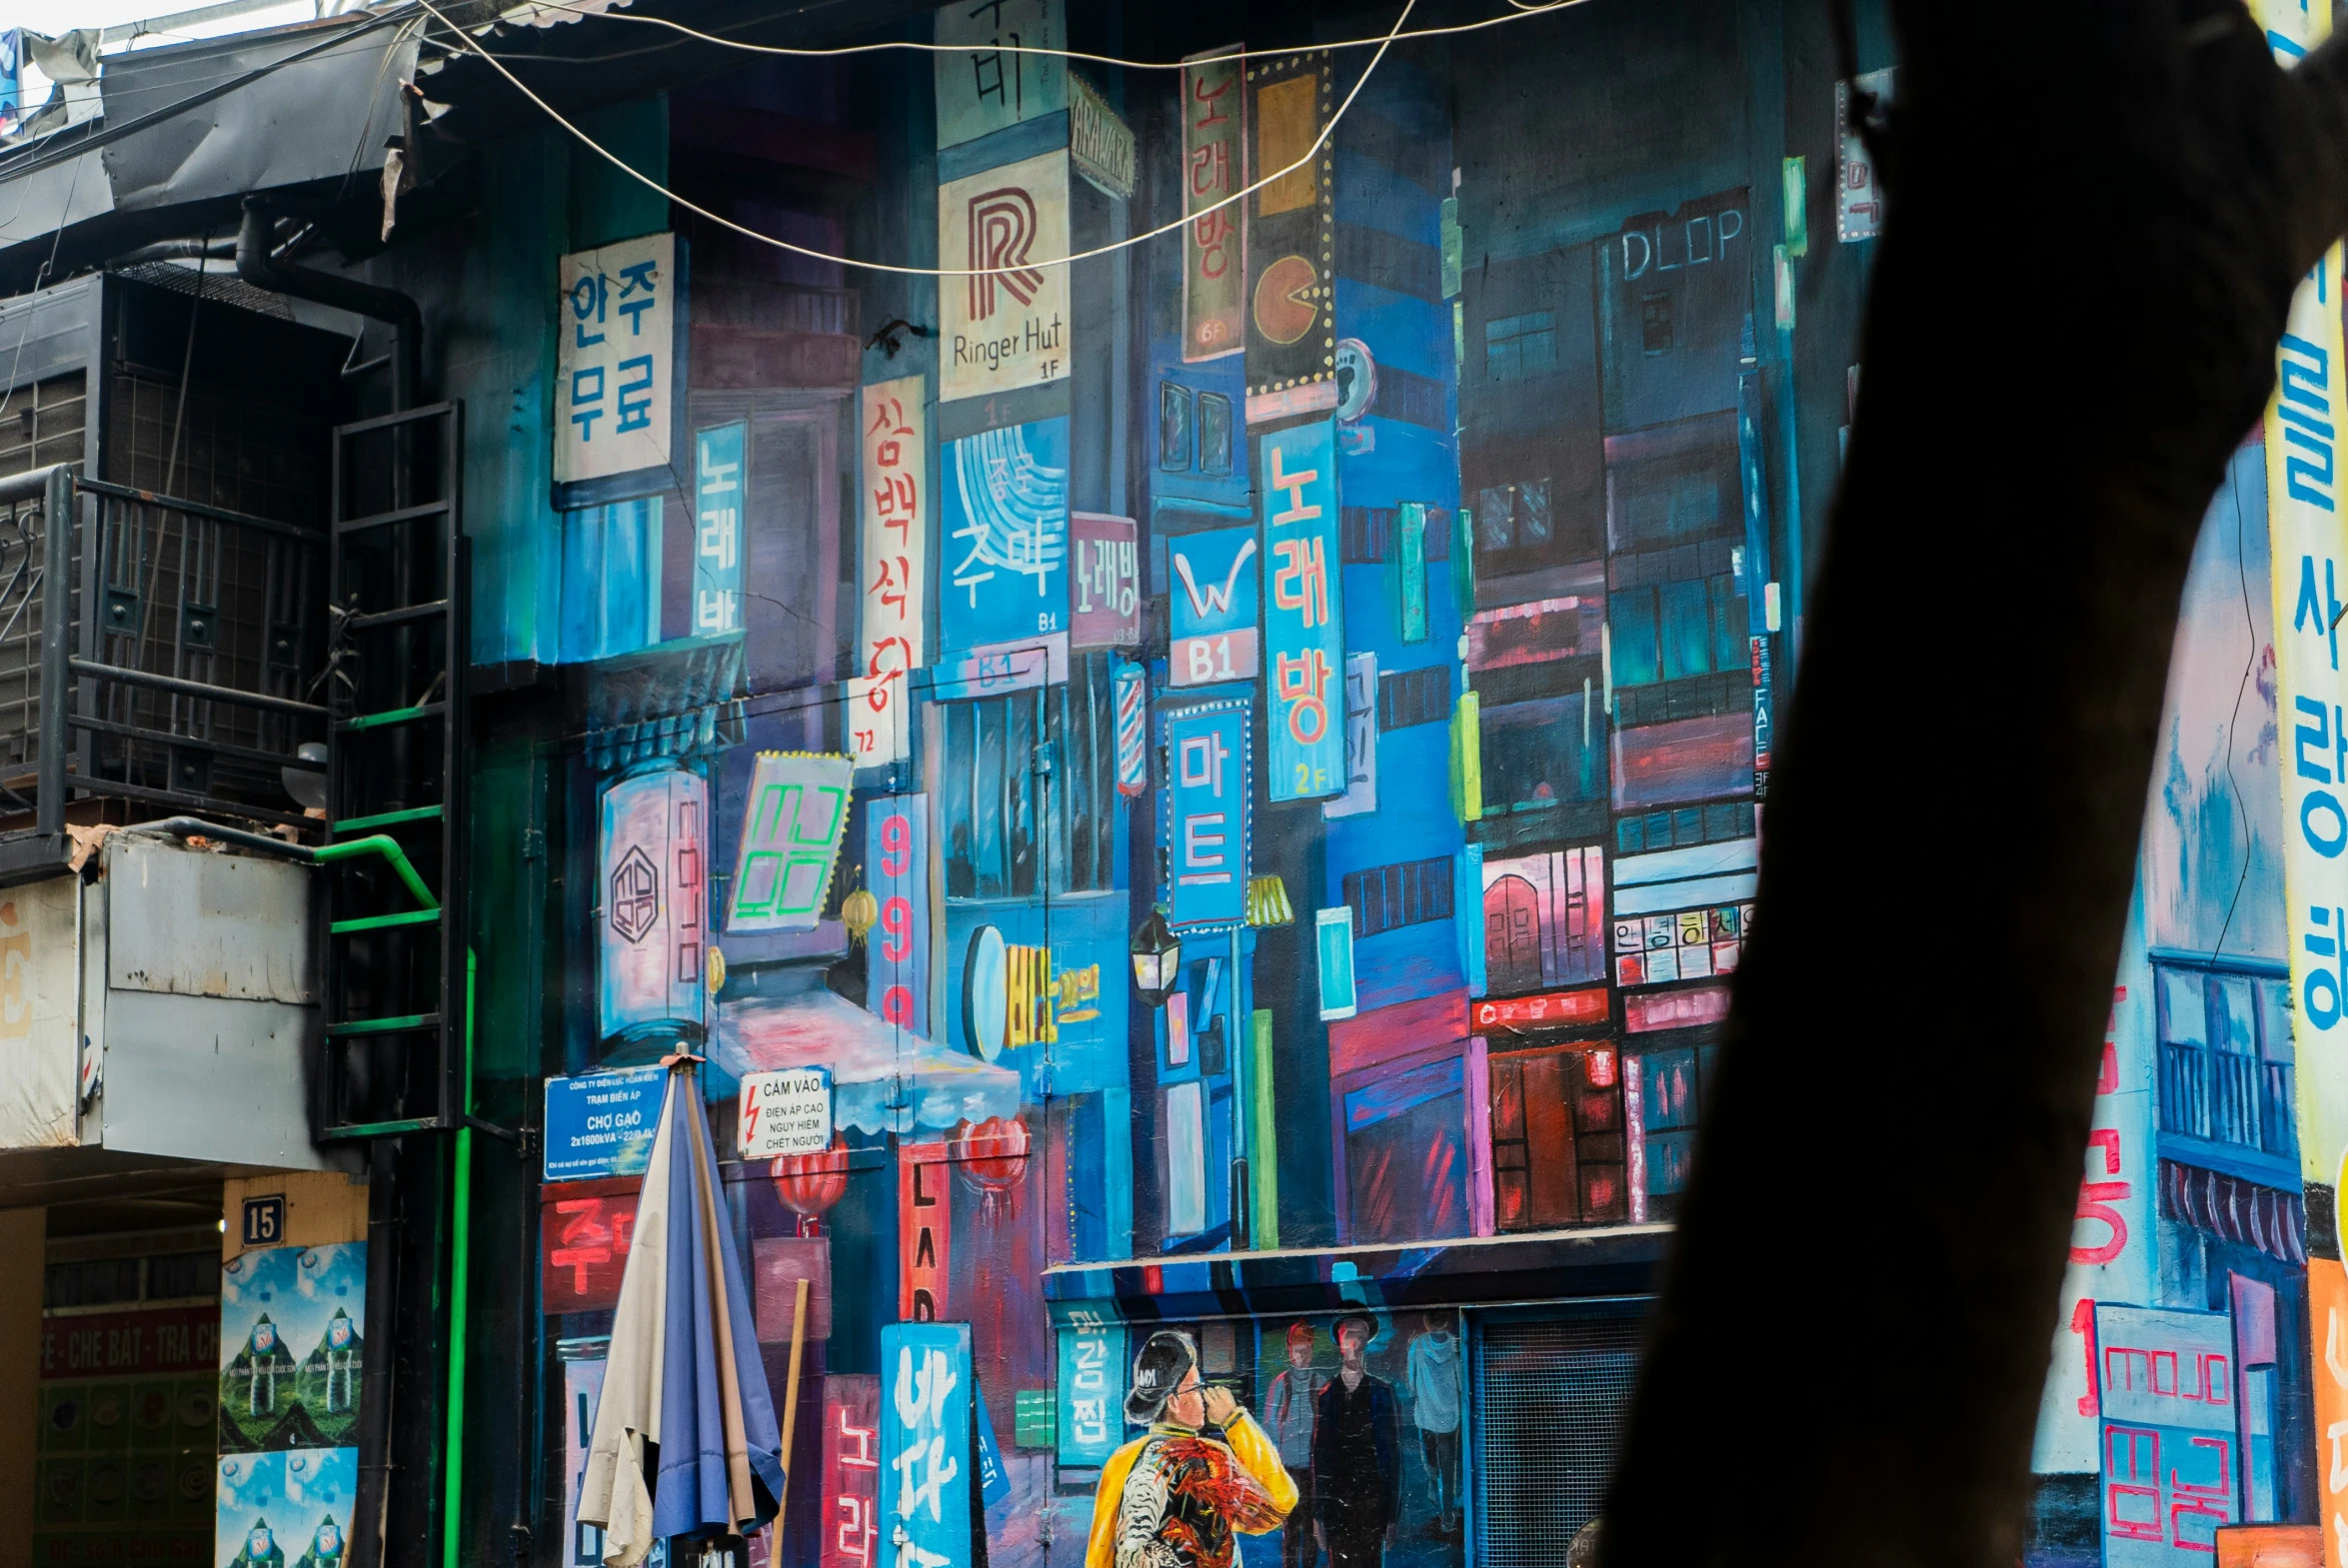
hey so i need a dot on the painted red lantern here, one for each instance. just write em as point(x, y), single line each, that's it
point(808, 1184)
point(992, 1156)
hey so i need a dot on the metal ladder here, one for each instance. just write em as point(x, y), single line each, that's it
point(396, 991)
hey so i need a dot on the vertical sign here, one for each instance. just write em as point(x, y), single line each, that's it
point(1211, 607)
point(895, 567)
point(1006, 557)
point(924, 1230)
point(1214, 257)
point(1303, 624)
point(1332, 932)
point(1361, 740)
point(1106, 586)
point(851, 1470)
point(927, 1463)
point(896, 868)
point(1206, 805)
point(1005, 325)
point(1291, 229)
point(792, 824)
point(1858, 194)
point(1091, 1389)
point(2310, 575)
point(990, 81)
point(615, 358)
point(1410, 568)
point(1130, 686)
point(2327, 1316)
point(2166, 1386)
point(1100, 141)
point(655, 890)
point(717, 534)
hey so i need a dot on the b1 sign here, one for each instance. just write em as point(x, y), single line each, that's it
point(786, 1113)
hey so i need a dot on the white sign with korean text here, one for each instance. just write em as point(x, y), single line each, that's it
point(615, 358)
point(893, 568)
point(1007, 326)
point(786, 1113)
point(995, 66)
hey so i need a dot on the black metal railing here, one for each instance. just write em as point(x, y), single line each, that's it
point(157, 651)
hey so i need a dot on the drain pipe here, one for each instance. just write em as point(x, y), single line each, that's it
point(257, 266)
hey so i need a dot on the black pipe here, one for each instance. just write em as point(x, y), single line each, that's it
point(176, 250)
point(256, 266)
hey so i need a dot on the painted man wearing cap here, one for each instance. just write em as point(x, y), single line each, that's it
point(1172, 1497)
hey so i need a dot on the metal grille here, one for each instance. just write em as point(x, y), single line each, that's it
point(40, 424)
point(1550, 1399)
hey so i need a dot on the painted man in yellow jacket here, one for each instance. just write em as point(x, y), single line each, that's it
point(1172, 1497)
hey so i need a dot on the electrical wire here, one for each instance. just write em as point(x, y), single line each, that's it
point(1029, 264)
point(1523, 10)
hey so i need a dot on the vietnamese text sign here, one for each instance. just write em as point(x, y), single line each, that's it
point(926, 1465)
point(1211, 607)
point(786, 1112)
point(1106, 583)
point(1004, 326)
point(716, 536)
point(1303, 627)
point(990, 79)
point(614, 361)
point(792, 824)
point(2166, 1388)
point(1007, 523)
point(602, 1125)
point(1207, 806)
point(893, 568)
point(119, 1344)
point(1215, 257)
point(896, 867)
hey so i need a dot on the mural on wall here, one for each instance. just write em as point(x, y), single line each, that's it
point(1273, 759)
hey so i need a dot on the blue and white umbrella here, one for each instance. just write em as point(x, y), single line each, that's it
point(685, 1440)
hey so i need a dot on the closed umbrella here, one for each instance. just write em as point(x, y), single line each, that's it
point(684, 1441)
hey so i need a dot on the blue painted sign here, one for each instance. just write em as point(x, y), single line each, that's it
point(1091, 1421)
point(1207, 806)
point(602, 1125)
point(1005, 496)
point(926, 1459)
point(897, 869)
point(1332, 932)
point(993, 1479)
point(2165, 1390)
point(1211, 607)
point(1303, 614)
point(716, 533)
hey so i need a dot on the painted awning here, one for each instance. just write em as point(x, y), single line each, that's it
point(883, 1078)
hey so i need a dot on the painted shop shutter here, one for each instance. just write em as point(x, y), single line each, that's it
point(1550, 1398)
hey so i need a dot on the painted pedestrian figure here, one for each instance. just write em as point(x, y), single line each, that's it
point(1434, 1407)
point(1356, 1457)
point(1204, 1472)
point(1289, 1408)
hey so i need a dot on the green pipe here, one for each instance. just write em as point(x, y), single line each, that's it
point(387, 846)
point(326, 854)
point(459, 1289)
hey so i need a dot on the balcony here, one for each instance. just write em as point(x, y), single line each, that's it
point(2226, 1070)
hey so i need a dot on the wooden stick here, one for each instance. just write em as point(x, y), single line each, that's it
point(790, 1402)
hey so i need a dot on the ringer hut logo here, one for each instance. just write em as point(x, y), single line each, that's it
point(1003, 231)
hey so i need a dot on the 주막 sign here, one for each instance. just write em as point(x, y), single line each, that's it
point(1206, 805)
point(893, 568)
point(786, 1112)
point(1303, 614)
point(1006, 551)
point(615, 358)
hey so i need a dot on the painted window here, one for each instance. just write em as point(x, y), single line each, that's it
point(1407, 893)
point(2225, 1059)
point(1415, 697)
point(993, 778)
point(1557, 1139)
point(1515, 347)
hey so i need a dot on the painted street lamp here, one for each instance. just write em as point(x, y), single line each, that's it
point(1158, 958)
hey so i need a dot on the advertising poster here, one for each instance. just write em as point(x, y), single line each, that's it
point(1291, 225)
point(1006, 325)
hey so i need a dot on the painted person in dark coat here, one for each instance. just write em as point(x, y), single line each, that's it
point(1356, 1457)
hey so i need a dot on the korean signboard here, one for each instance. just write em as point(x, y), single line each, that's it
point(893, 568)
point(1292, 227)
point(786, 1112)
point(1211, 607)
point(990, 81)
point(616, 361)
point(792, 824)
point(584, 1240)
point(655, 890)
point(602, 1125)
point(1303, 627)
point(717, 529)
point(1092, 1390)
point(2327, 1315)
point(1106, 586)
point(1858, 191)
point(1006, 535)
point(1215, 167)
point(1099, 139)
point(851, 1470)
point(1006, 325)
point(927, 1462)
point(896, 868)
point(2166, 1391)
point(1206, 805)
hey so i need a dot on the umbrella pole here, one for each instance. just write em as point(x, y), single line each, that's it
point(790, 1401)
